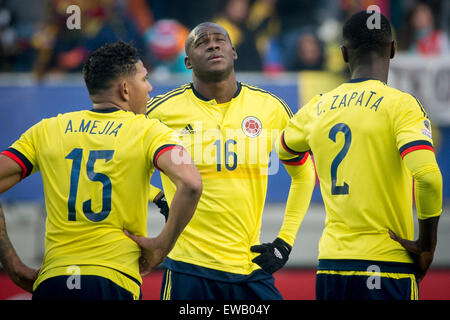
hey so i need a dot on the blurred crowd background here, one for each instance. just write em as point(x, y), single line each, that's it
point(270, 36)
point(295, 42)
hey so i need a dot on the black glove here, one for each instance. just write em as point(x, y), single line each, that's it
point(273, 255)
point(163, 206)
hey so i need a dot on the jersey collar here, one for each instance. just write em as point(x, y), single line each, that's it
point(107, 110)
point(359, 80)
point(356, 80)
point(199, 96)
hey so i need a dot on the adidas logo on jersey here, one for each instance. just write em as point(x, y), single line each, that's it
point(187, 130)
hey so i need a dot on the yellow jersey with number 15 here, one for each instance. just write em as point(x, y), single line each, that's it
point(358, 134)
point(95, 167)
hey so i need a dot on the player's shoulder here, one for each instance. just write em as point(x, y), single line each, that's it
point(167, 98)
point(69, 115)
point(141, 126)
point(272, 98)
point(315, 99)
point(143, 120)
point(62, 117)
point(258, 91)
point(408, 101)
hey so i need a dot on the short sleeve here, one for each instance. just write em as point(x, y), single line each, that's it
point(24, 151)
point(159, 138)
point(412, 127)
point(152, 110)
point(293, 143)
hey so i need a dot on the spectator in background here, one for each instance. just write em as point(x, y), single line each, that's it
point(299, 14)
point(165, 46)
point(141, 13)
point(64, 50)
point(18, 21)
point(185, 12)
point(421, 35)
point(234, 19)
point(265, 20)
point(307, 53)
point(8, 39)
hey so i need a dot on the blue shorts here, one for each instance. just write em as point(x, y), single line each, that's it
point(365, 280)
point(198, 283)
point(92, 288)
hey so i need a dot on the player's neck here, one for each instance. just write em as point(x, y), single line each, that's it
point(106, 105)
point(376, 71)
point(222, 91)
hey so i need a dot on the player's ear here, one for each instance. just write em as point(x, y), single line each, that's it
point(344, 53)
point(187, 63)
point(393, 48)
point(235, 55)
point(124, 91)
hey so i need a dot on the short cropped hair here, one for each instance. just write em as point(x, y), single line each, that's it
point(360, 37)
point(108, 63)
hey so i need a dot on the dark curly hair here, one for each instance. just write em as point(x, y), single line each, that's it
point(108, 63)
point(361, 38)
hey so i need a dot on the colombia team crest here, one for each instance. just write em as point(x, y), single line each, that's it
point(252, 127)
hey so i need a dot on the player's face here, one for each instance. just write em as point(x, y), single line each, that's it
point(139, 89)
point(211, 54)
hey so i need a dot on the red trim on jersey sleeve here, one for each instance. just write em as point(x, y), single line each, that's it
point(285, 147)
point(21, 163)
point(298, 161)
point(161, 150)
point(415, 145)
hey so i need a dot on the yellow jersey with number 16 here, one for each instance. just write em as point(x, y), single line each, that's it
point(231, 145)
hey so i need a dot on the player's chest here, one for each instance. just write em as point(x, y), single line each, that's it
point(235, 120)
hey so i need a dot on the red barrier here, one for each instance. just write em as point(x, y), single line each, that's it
point(294, 284)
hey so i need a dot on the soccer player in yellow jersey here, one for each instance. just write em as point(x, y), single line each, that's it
point(228, 127)
point(96, 167)
point(369, 142)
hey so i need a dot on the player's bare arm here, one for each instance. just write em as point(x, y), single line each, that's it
point(422, 249)
point(23, 276)
point(428, 191)
point(10, 173)
point(188, 184)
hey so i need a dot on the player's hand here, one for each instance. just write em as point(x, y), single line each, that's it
point(23, 276)
point(19, 273)
point(422, 259)
point(152, 253)
point(274, 255)
point(161, 202)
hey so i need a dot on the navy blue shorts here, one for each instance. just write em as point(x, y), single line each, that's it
point(92, 288)
point(182, 286)
point(365, 280)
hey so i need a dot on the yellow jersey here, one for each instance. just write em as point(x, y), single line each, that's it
point(96, 167)
point(358, 134)
point(231, 146)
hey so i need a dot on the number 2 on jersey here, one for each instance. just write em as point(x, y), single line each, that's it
point(340, 127)
point(76, 155)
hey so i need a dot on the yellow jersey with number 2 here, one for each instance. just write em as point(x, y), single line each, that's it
point(358, 134)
